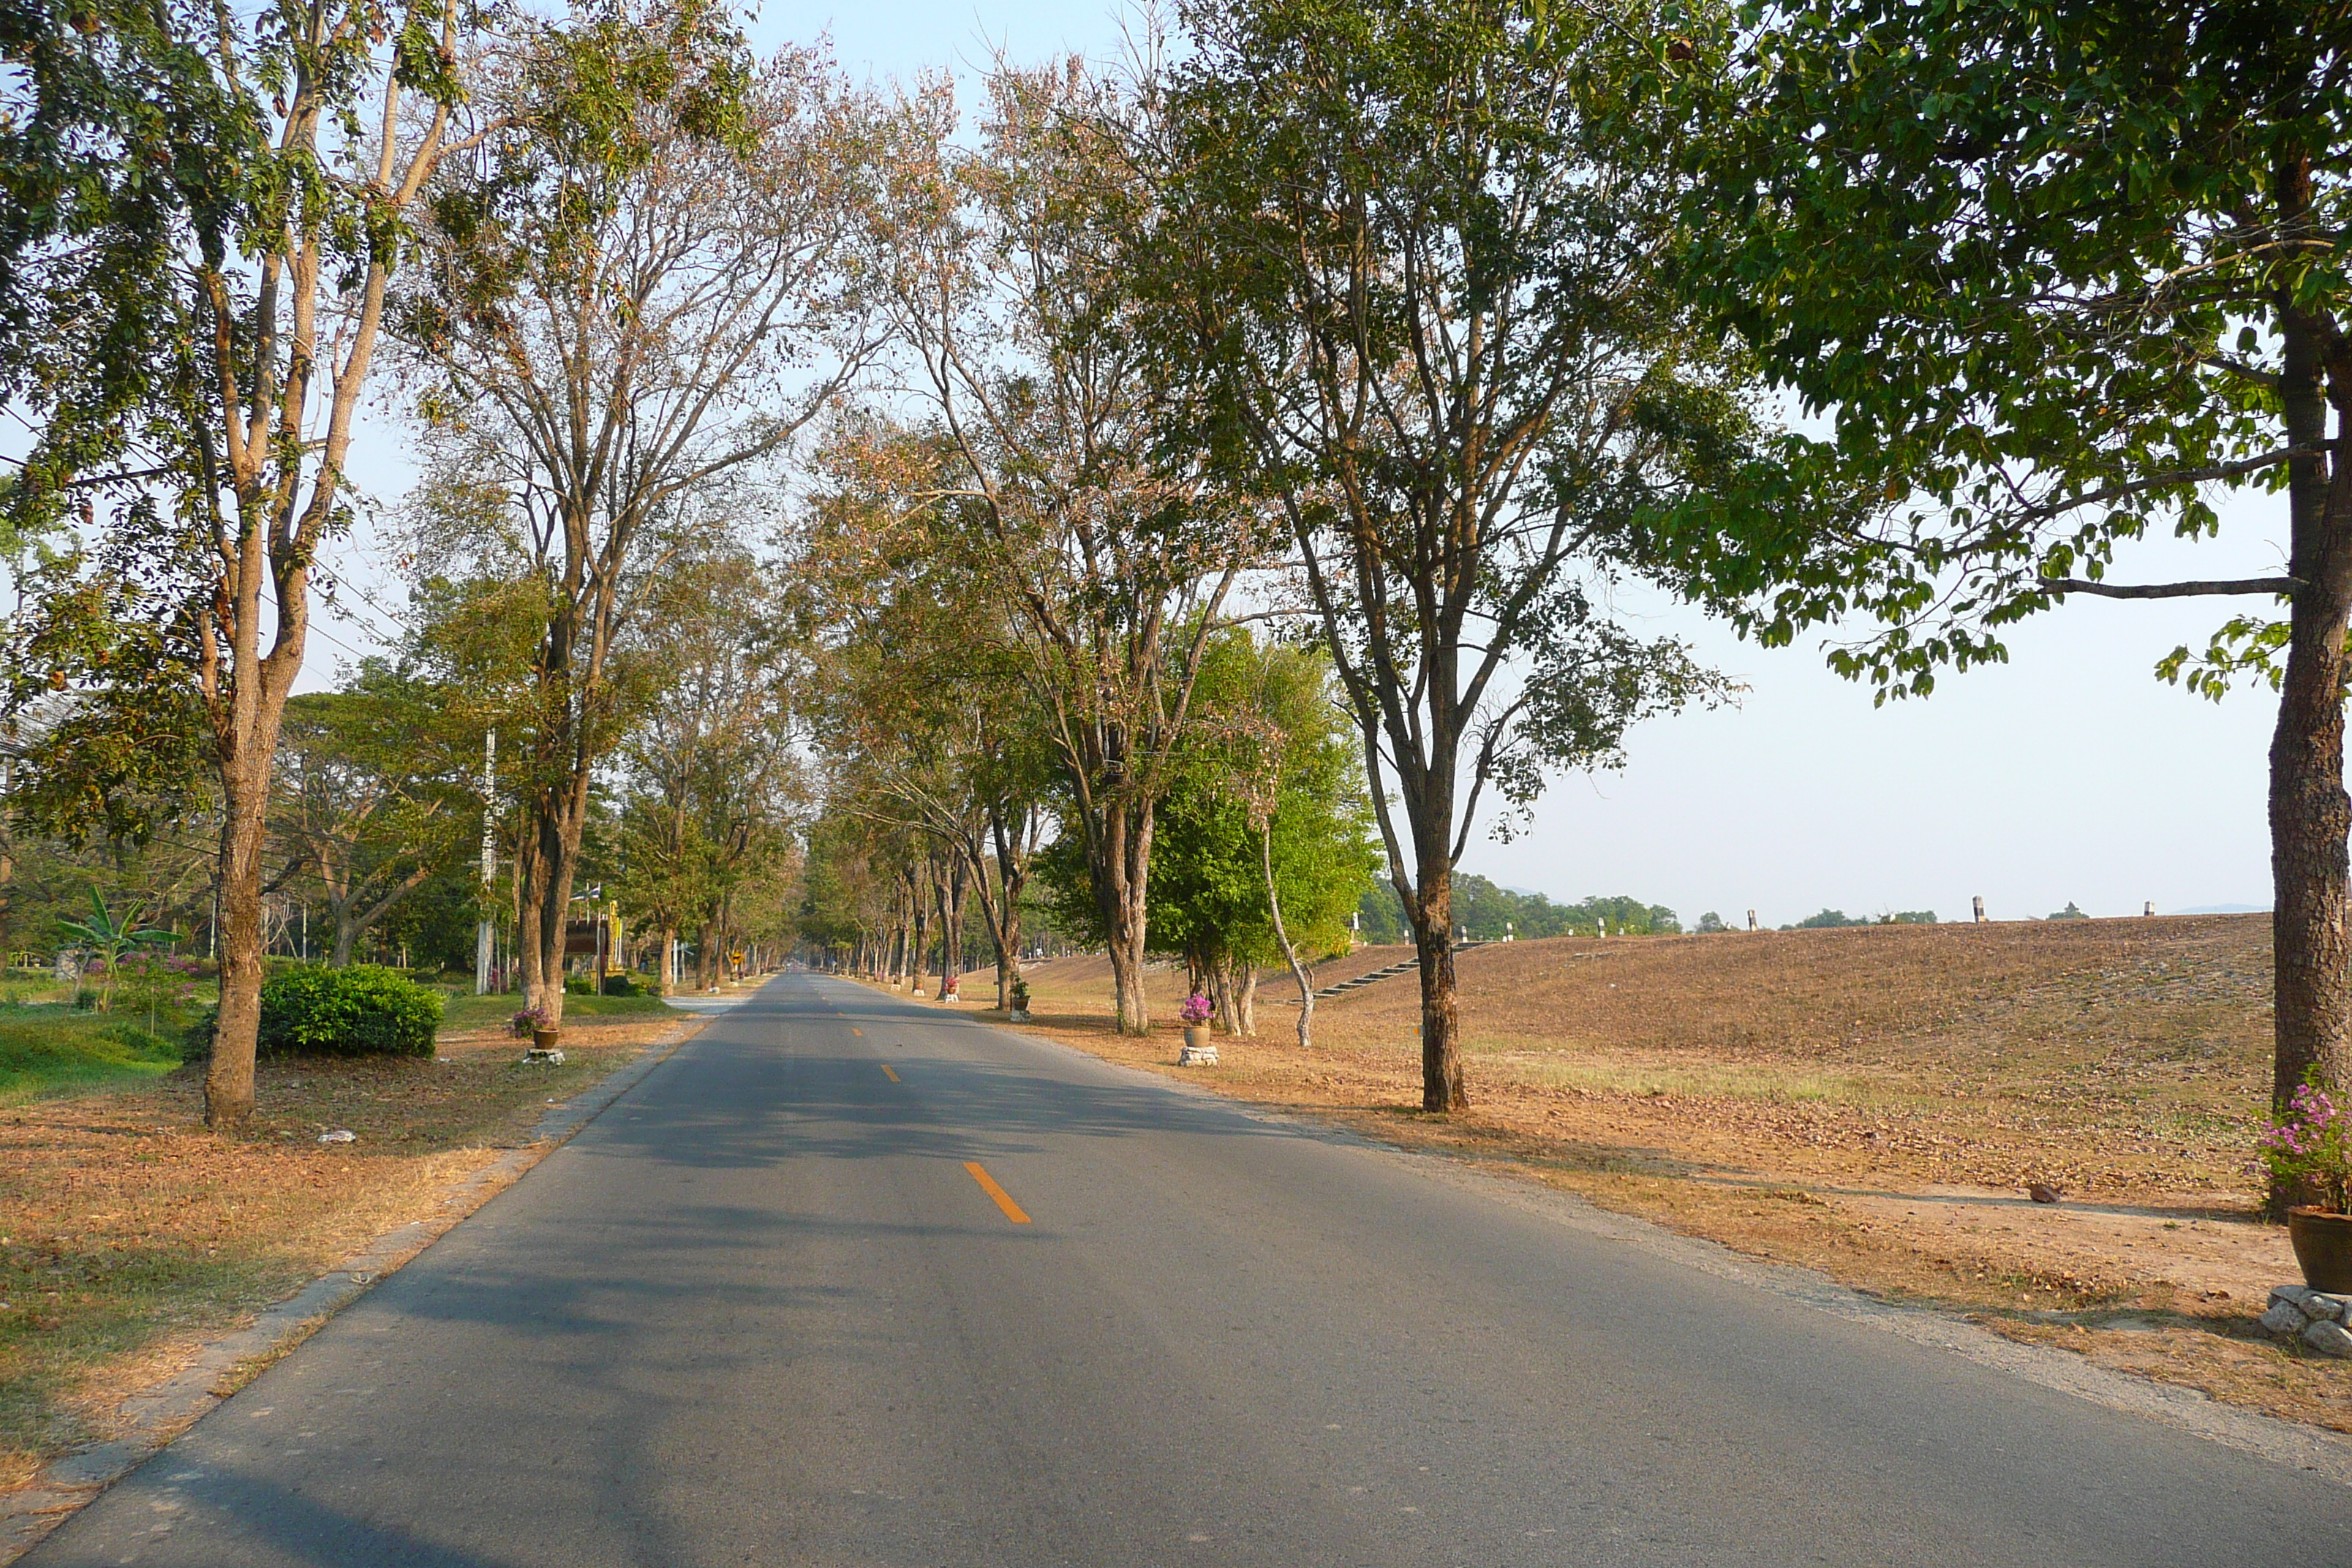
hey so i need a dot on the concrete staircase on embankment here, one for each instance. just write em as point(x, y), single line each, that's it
point(1406, 967)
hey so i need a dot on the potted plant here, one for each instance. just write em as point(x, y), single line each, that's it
point(1197, 1011)
point(2311, 1149)
point(543, 1031)
point(1020, 1000)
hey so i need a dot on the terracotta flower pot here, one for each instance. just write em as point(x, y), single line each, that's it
point(2323, 1246)
point(1193, 1037)
point(544, 1039)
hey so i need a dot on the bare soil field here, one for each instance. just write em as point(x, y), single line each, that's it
point(1869, 1102)
point(130, 1235)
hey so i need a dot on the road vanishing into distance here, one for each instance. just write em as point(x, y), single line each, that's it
point(853, 1280)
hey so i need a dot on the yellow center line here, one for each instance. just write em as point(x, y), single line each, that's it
point(1004, 1199)
point(888, 1074)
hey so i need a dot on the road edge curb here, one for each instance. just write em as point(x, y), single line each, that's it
point(158, 1413)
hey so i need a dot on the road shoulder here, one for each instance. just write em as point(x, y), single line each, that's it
point(203, 1375)
point(1522, 1183)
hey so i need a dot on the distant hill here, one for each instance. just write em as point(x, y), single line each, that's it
point(2224, 910)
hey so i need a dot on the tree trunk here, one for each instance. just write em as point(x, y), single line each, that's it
point(1241, 997)
point(919, 952)
point(939, 906)
point(1442, 1087)
point(236, 1028)
point(1126, 981)
point(2309, 813)
point(1282, 935)
point(1002, 907)
point(1123, 880)
point(555, 816)
point(706, 956)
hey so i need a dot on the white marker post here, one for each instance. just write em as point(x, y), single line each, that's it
point(483, 935)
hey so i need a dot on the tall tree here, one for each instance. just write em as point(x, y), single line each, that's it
point(203, 210)
point(917, 688)
point(714, 784)
point(1267, 838)
point(2054, 273)
point(1061, 470)
point(1423, 258)
point(634, 295)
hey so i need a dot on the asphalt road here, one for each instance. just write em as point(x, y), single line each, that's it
point(764, 1311)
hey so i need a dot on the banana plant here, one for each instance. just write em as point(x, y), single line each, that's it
point(112, 938)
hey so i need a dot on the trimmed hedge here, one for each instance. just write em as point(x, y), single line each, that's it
point(362, 1011)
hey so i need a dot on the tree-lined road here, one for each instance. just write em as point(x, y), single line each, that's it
point(766, 1310)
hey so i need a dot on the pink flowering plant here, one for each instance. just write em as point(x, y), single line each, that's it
point(529, 1019)
point(1198, 1010)
point(2312, 1144)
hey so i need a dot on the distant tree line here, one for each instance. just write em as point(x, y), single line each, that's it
point(1489, 913)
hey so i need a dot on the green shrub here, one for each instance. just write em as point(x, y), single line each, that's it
point(625, 982)
point(196, 1039)
point(362, 1011)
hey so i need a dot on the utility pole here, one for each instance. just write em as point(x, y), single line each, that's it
point(484, 935)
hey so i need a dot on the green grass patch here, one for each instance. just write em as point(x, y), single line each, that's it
point(19, 985)
point(463, 1013)
point(52, 1050)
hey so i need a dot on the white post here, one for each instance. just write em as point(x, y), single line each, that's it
point(1979, 908)
point(483, 933)
point(1751, 919)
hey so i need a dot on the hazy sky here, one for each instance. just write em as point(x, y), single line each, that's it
point(2070, 774)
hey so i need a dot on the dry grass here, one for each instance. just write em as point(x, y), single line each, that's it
point(1869, 1102)
point(130, 1235)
